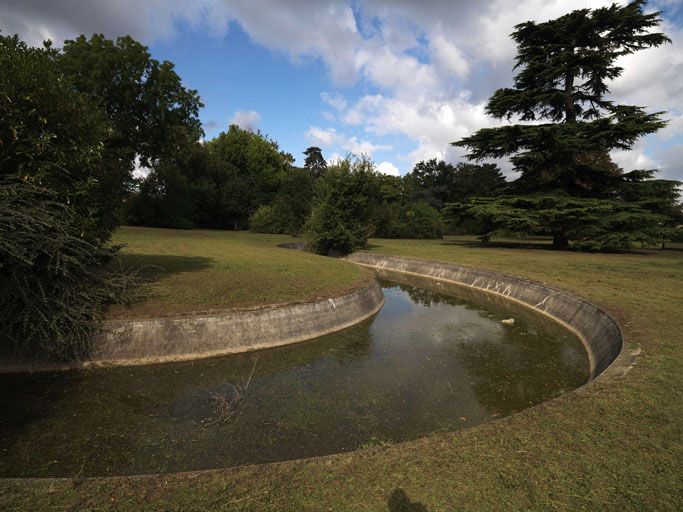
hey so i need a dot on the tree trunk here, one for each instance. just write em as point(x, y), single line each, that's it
point(560, 242)
point(569, 109)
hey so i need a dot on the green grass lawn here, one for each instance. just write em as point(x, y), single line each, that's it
point(205, 270)
point(613, 445)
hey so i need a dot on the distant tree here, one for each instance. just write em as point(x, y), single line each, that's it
point(439, 183)
point(291, 207)
point(315, 161)
point(164, 199)
point(346, 196)
point(433, 181)
point(245, 170)
point(151, 115)
point(565, 64)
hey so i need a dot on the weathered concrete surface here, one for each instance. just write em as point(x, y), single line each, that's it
point(596, 329)
point(131, 342)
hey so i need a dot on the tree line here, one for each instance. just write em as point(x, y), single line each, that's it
point(567, 187)
point(242, 180)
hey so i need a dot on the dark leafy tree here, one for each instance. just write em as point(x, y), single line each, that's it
point(564, 67)
point(245, 170)
point(50, 134)
point(345, 198)
point(151, 115)
point(439, 183)
point(55, 285)
point(292, 205)
point(314, 161)
point(164, 199)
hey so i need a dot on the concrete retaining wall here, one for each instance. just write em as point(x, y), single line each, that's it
point(231, 332)
point(131, 342)
point(596, 329)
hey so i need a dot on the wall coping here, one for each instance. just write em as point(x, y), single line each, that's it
point(597, 330)
point(209, 334)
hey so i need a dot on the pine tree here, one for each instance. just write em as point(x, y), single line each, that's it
point(315, 161)
point(561, 89)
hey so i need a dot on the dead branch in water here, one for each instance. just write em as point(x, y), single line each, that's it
point(225, 404)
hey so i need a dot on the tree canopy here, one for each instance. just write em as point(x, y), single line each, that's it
point(561, 87)
point(315, 161)
point(55, 276)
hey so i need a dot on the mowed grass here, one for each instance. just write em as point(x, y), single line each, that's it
point(201, 270)
point(613, 445)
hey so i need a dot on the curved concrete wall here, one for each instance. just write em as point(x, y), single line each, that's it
point(230, 332)
point(146, 341)
point(596, 329)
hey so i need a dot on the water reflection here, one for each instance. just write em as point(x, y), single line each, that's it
point(427, 362)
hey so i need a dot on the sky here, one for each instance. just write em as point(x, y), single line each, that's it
point(398, 80)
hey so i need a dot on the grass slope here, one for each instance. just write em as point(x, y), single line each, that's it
point(613, 445)
point(203, 270)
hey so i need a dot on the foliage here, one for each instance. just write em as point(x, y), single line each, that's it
point(592, 224)
point(164, 200)
point(150, 115)
point(439, 183)
point(54, 284)
point(329, 230)
point(314, 161)
point(151, 112)
point(264, 220)
point(415, 220)
point(291, 207)
point(52, 135)
point(345, 198)
point(244, 172)
point(564, 65)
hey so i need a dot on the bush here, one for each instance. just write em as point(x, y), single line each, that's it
point(54, 284)
point(328, 231)
point(419, 220)
point(264, 220)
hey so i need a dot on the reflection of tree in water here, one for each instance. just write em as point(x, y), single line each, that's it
point(353, 343)
point(425, 297)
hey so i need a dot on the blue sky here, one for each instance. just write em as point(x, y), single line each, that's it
point(395, 79)
point(287, 95)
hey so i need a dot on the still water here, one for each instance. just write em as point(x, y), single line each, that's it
point(427, 362)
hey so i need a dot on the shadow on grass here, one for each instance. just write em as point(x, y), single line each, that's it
point(152, 267)
point(400, 502)
point(526, 243)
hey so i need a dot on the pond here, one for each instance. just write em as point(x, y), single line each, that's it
point(428, 362)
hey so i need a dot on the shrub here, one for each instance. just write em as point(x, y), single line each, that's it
point(54, 284)
point(329, 231)
point(264, 220)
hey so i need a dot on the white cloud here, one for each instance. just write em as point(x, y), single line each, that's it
point(329, 138)
point(449, 56)
point(335, 100)
point(322, 137)
point(249, 119)
point(427, 68)
point(388, 168)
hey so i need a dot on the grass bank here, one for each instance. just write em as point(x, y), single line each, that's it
point(205, 270)
point(613, 445)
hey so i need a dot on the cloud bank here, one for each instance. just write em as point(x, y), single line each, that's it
point(426, 68)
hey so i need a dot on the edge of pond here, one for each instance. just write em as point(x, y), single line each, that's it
point(597, 330)
point(199, 336)
point(618, 366)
